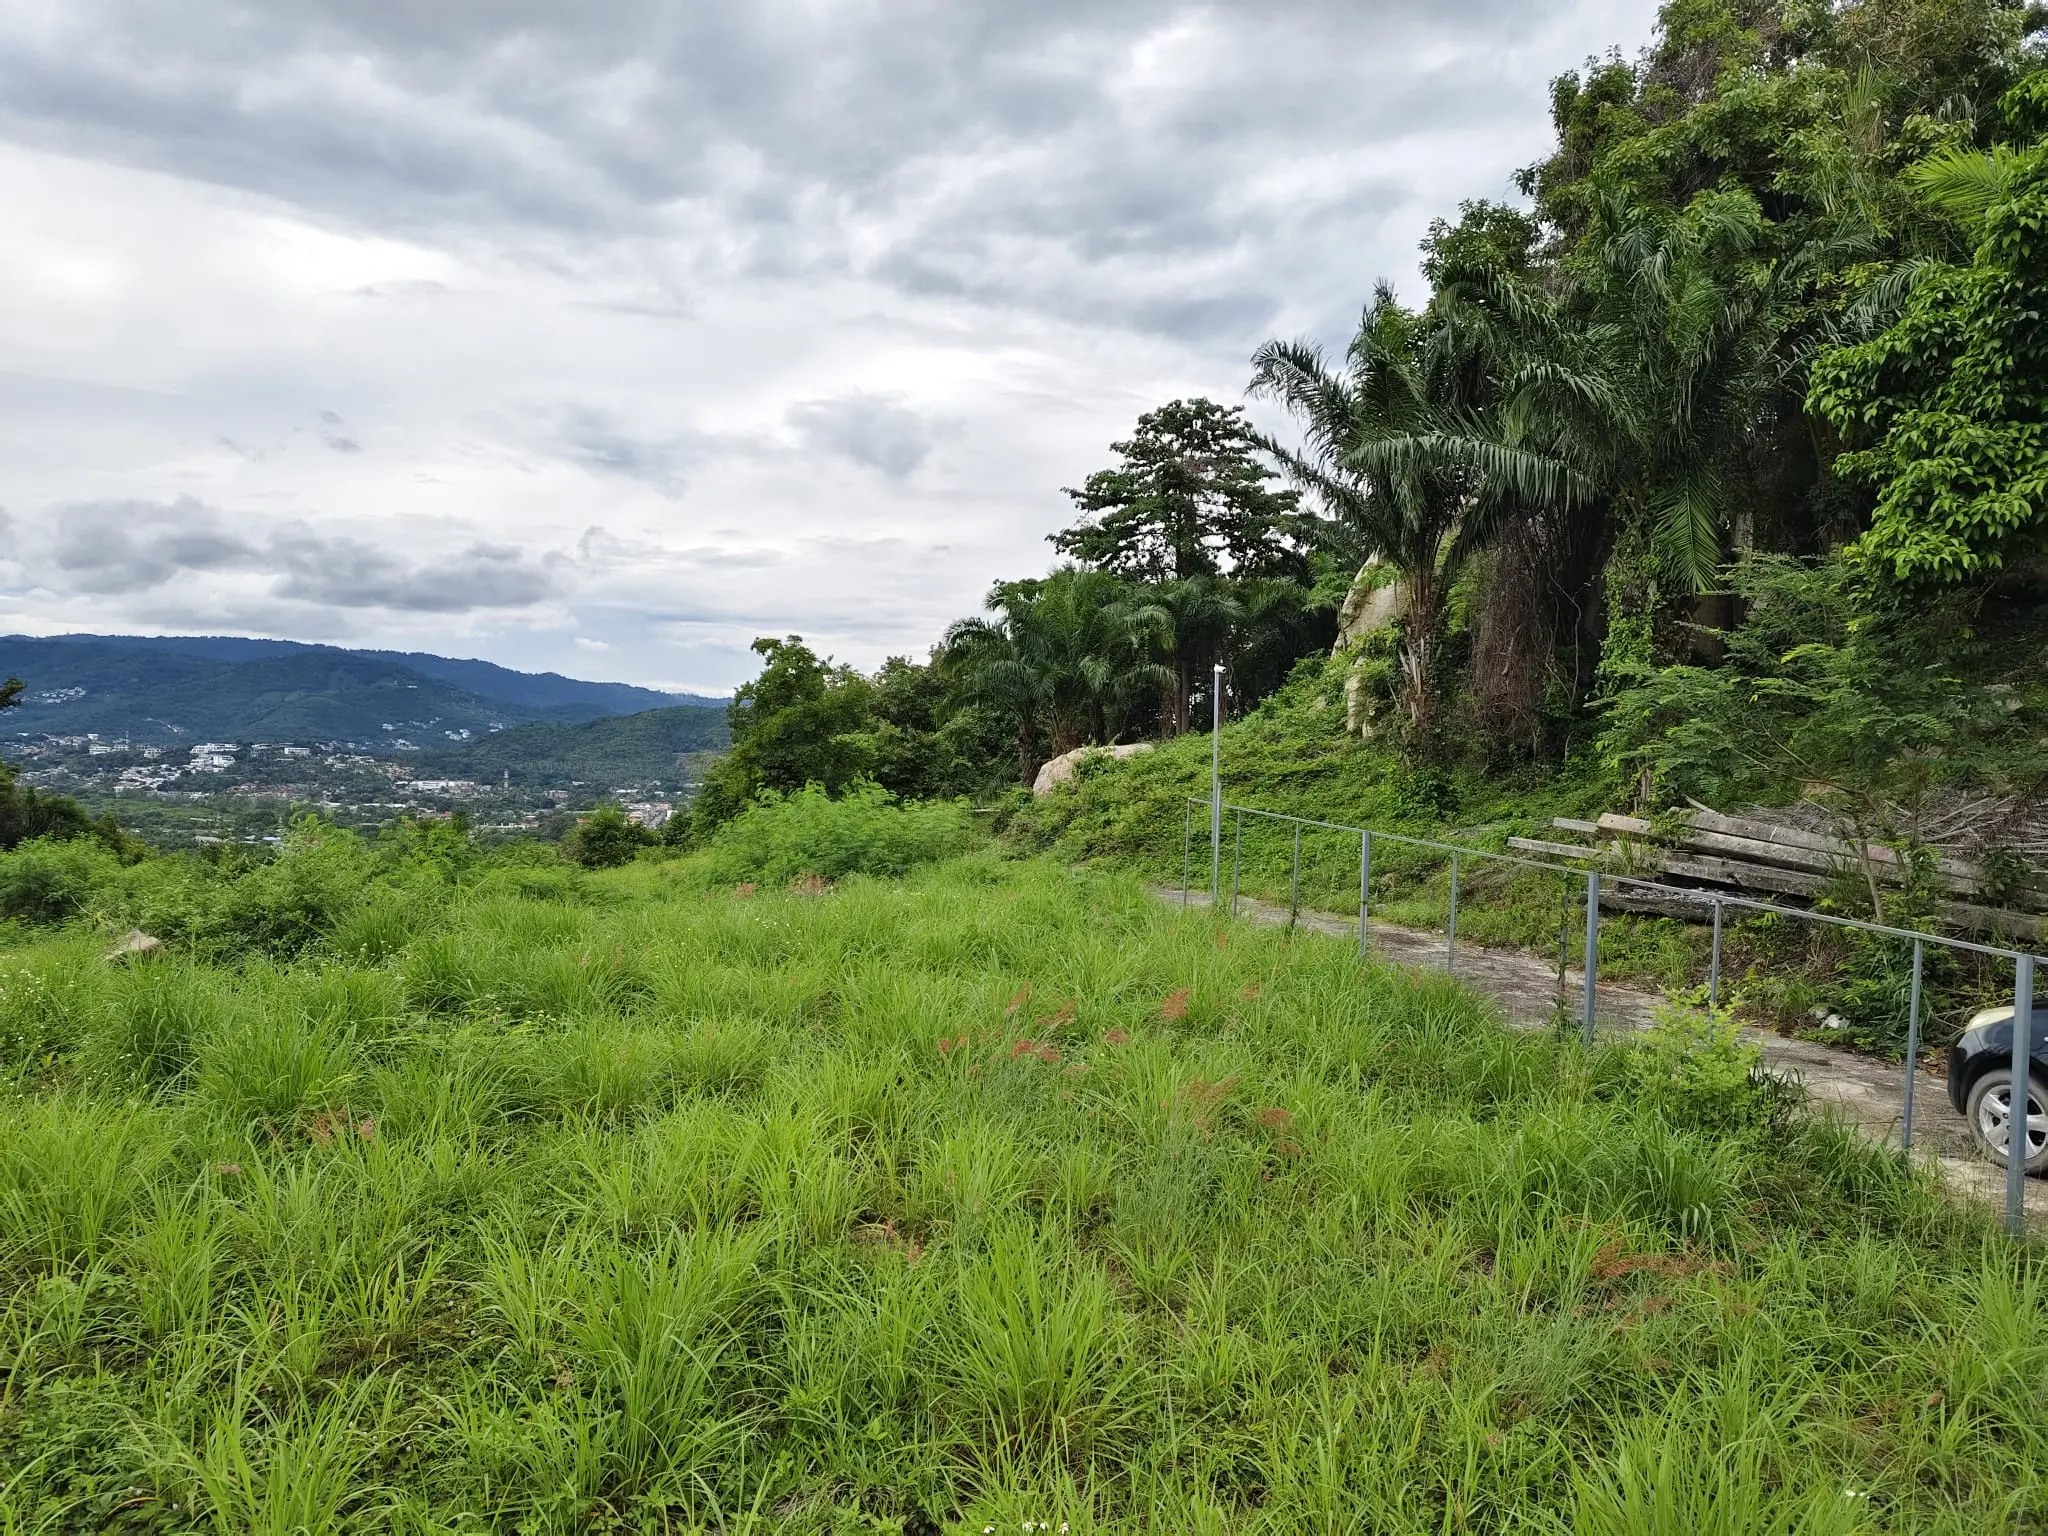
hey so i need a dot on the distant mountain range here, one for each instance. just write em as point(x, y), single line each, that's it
point(163, 690)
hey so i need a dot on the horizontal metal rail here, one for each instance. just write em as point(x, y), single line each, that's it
point(1599, 880)
point(1609, 880)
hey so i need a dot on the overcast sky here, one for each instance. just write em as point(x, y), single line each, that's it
point(605, 335)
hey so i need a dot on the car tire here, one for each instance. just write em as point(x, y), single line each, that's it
point(1986, 1109)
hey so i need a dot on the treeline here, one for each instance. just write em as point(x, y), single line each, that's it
point(1189, 552)
point(1717, 463)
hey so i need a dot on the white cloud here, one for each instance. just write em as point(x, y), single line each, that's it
point(519, 329)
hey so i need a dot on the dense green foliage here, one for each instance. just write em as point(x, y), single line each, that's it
point(1953, 397)
point(780, 838)
point(806, 721)
point(651, 748)
point(606, 838)
point(1837, 689)
point(1004, 1195)
point(27, 814)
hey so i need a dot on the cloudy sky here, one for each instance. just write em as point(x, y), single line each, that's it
point(604, 335)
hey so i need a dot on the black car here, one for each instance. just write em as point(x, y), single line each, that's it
point(1980, 1082)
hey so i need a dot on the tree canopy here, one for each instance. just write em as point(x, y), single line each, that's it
point(1189, 496)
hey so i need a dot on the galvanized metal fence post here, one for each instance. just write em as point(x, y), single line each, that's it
point(1236, 859)
point(1187, 851)
point(2016, 1119)
point(1294, 891)
point(1364, 885)
point(1714, 965)
point(1216, 786)
point(1912, 1048)
point(1451, 934)
point(1592, 953)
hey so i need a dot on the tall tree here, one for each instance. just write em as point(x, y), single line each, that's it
point(1193, 511)
point(1189, 496)
point(797, 723)
point(1370, 456)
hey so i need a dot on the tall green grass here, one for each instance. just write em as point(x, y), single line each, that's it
point(1001, 1193)
point(865, 831)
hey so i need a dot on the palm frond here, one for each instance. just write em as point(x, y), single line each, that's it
point(1963, 183)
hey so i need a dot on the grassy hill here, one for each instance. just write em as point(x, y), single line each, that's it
point(541, 1201)
point(1294, 755)
point(190, 688)
point(639, 749)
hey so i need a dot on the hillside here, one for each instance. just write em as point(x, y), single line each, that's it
point(638, 750)
point(187, 688)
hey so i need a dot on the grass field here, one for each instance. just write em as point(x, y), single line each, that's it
point(998, 1197)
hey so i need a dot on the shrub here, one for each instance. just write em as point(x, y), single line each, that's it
point(48, 880)
point(45, 1006)
point(605, 839)
point(375, 931)
point(156, 1014)
point(320, 876)
point(781, 837)
point(1693, 1068)
point(270, 1068)
point(177, 898)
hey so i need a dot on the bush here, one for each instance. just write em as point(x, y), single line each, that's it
point(320, 876)
point(1692, 1067)
point(156, 1015)
point(781, 837)
point(47, 880)
point(606, 839)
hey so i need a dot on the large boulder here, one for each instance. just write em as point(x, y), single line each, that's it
point(1067, 764)
point(1375, 600)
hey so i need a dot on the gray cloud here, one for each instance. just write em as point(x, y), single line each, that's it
point(108, 547)
point(349, 574)
point(867, 429)
point(333, 436)
point(663, 270)
point(596, 441)
point(1074, 158)
point(116, 548)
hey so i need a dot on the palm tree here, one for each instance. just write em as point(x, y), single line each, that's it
point(1646, 384)
point(996, 667)
point(1641, 393)
point(1388, 453)
point(1071, 658)
point(1203, 613)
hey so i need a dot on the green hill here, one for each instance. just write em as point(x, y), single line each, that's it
point(184, 688)
point(645, 749)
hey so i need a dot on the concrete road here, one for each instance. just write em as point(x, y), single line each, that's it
point(1861, 1090)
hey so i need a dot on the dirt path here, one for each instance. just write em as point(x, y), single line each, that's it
point(1862, 1091)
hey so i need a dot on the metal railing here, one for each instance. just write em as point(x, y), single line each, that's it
point(1597, 882)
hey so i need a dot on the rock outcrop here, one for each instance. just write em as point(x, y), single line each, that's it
point(1375, 600)
point(1067, 764)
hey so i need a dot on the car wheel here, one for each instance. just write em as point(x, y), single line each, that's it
point(1990, 1106)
